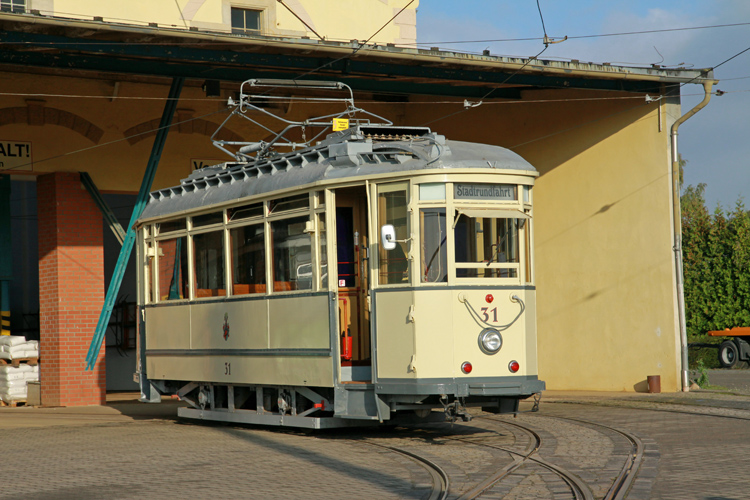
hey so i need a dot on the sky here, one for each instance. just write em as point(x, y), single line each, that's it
point(715, 142)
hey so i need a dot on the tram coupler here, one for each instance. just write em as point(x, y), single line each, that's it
point(454, 411)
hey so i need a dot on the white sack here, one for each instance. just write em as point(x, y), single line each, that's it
point(10, 340)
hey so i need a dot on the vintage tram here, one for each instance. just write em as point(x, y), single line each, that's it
point(383, 273)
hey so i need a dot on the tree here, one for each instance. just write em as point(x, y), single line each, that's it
point(716, 268)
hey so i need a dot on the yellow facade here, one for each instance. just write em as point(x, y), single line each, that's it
point(604, 272)
point(606, 300)
point(329, 19)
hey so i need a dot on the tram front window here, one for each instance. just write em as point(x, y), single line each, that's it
point(434, 268)
point(292, 269)
point(487, 247)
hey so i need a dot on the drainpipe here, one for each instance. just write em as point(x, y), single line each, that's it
point(677, 221)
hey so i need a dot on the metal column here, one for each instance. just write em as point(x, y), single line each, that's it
point(140, 204)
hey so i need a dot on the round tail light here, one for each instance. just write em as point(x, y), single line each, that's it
point(466, 367)
point(513, 366)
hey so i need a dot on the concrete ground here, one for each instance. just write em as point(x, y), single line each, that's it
point(698, 446)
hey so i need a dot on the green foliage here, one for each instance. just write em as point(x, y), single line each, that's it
point(702, 379)
point(716, 267)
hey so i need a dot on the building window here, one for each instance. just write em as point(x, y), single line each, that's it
point(15, 6)
point(244, 21)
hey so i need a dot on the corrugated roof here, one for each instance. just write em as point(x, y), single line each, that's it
point(344, 155)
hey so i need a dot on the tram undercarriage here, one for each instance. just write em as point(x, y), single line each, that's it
point(349, 405)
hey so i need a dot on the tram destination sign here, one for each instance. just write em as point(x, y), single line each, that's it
point(485, 192)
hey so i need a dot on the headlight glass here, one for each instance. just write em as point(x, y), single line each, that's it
point(490, 341)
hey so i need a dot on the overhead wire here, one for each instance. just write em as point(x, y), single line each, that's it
point(578, 37)
point(360, 45)
point(481, 101)
point(718, 65)
point(354, 52)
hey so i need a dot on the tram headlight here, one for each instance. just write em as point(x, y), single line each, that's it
point(490, 341)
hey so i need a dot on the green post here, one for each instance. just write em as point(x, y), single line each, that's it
point(6, 261)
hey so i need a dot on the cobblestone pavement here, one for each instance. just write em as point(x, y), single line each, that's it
point(140, 451)
point(701, 440)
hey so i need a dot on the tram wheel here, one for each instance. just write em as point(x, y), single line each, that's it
point(728, 354)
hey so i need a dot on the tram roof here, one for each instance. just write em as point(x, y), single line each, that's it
point(359, 152)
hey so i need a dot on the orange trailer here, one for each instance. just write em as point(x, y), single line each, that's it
point(734, 349)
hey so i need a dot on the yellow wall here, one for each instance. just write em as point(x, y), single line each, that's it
point(117, 159)
point(331, 19)
point(605, 298)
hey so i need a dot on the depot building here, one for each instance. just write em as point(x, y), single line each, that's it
point(84, 96)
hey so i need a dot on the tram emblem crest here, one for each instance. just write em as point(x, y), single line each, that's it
point(225, 327)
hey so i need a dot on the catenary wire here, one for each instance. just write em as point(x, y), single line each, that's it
point(357, 49)
point(718, 65)
point(573, 37)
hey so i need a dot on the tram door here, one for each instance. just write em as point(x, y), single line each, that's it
point(353, 284)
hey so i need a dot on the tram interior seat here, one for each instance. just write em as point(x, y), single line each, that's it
point(243, 289)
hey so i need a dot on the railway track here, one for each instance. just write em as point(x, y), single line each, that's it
point(440, 480)
point(579, 490)
point(524, 456)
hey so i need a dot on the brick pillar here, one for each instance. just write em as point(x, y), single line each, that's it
point(71, 291)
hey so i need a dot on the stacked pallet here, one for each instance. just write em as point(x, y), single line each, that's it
point(18, 366)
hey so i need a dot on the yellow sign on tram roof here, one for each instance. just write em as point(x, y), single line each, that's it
point(340, 124)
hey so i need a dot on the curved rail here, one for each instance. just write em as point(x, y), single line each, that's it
point(578, 488)
point(625, 479)
point(440, 480)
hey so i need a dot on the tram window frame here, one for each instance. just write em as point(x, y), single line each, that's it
point(233, 213)
point(258, 285)
point(184, 270)
point(474, 268)
point(280, 284)
point(196, 227)
point(207, 219)
point(429, 252)
point(165, 227)
point(203, 263)
point(514, 203)
point(289, 204)
point(403, 233)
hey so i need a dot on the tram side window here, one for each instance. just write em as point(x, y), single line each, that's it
point(248, 260)
point(208, 252)
point(392, 209)
point(292, 251)
point(173, 269)
point(434, 262)
point(323, 251)
point(490, 242)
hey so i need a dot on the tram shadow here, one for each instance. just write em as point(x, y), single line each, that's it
point(128, 405)
point(335, 457)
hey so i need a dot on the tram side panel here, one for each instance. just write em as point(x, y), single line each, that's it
point(284, 341)
point(394, 337)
